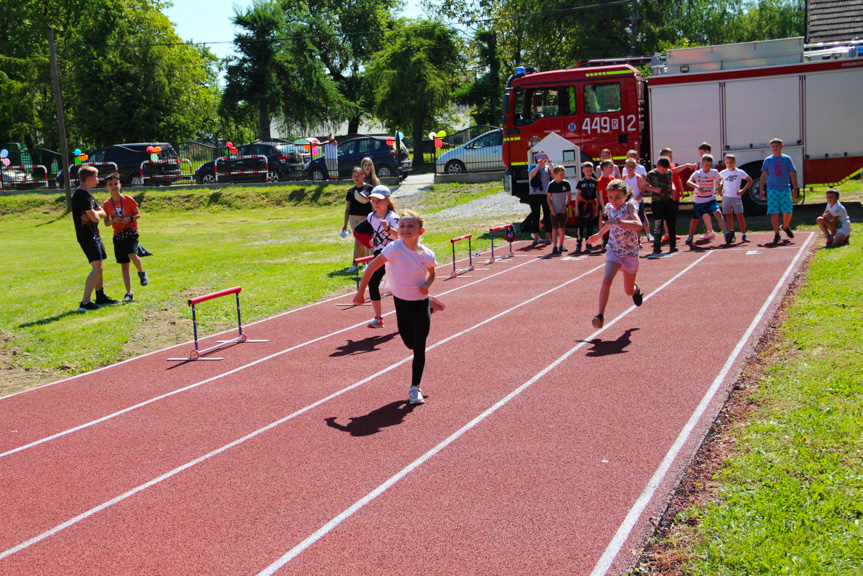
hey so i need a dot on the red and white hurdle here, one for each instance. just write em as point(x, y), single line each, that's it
point(509, 236)
point(198, 354)
point(458, 272)
point(167, 161)
point(24, 168)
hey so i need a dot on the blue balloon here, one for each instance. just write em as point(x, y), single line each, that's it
point(76, 152)
point(401, 136)
point(4, 153)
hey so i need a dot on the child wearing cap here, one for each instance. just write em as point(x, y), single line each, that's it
point(385, 224)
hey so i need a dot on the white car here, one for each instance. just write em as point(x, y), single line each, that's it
point(482, 154)
point(13, 178)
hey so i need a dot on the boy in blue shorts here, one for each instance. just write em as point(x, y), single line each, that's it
point(777, 173)
point(706, 182)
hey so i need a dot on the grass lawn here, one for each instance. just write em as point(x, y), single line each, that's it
point(280, 243)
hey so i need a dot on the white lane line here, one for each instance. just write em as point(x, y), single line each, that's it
point(228, 373)
point(173, 346)
point(359, 504)
point(175, 471)
point(619, 539)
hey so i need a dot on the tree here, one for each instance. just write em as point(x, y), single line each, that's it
point(414, 75)
point(483, 96)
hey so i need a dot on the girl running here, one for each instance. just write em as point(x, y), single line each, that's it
point(385, 226)
point(411, 270)
point(624, 227)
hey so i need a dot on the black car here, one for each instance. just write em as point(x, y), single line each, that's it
point(352, 151)
point(128, 159)
point(284, 162)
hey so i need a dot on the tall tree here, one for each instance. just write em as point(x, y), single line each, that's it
point(483, 96)
point(414, 75)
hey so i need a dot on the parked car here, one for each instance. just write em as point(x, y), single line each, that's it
point(353, 150)
point(128, 158)
point(482, 154)
point(284, 162)
point(15, 179)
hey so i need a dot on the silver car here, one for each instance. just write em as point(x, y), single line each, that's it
point(482, 154)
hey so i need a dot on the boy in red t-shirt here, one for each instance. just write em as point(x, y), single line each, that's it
point(606, 170)
point(121, 212)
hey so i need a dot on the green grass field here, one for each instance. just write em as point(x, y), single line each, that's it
point(281, 244)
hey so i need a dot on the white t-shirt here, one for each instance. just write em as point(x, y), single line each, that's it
point(640, 170)
point(844, 221)
point(632, 183)
point(705, 185)
point(406, 269)
point(382, 236)
point(331, 151)
point(732, 181)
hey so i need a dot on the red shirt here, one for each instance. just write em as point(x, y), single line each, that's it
point(601, 185)
point(677, 184)
point(125, 207)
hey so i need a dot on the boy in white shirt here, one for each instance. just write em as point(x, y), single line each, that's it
point(706, 181)
point(732, 202)
point(835, 222)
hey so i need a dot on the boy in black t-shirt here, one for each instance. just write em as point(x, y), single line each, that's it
point(357, 207)
point(586, 209)
point(86, 214)
point(559, 196)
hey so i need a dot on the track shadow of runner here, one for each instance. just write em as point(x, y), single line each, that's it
point(391, 414)
point(602, 347)
point(370, 344)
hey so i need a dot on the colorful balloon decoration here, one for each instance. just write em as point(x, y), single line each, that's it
point(5, 161)
point(75, 152)
point(401, 135)
point(391, 141)
point(438, 143)
point(149, 149)
point(432, 135)
point(154, 157)
point(4, 153)
point(441, 134)
point(157, 149)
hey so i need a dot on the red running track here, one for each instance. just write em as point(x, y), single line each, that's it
point(545, 446)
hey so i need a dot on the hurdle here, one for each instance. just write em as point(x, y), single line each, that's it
point(198, 354)
point(470, 267)
point(508, 235)
point(357, 262)
point(171, 178)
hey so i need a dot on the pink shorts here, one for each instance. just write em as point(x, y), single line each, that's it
point(628, 263)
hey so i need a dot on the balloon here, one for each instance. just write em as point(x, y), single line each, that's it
point(229, 144)
point(76, 152)
point(307, 146)
point(233, 150)
point(391, 141)
point(441, 134)
point(438, 143)
point(84, 157)
point(149, 149)
point(157, 149)
point(6, 161)
point(77, 159)
point(432, 135)
point(154, 157)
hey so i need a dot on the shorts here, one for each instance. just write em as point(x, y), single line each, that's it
point(700, 210)
point(841, 235)
point(732, 205)
point(629, 264)
point(641, 213)
point(125, 243)
point(93, 249)
point(779, 202)
point(558, 220)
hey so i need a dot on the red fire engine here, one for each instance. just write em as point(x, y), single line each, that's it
point(735, 96)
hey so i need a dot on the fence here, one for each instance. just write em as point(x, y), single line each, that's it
point(474, 149)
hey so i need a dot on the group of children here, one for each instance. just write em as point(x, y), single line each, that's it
point(121, 213)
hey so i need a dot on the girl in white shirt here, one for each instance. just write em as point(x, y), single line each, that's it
point(385, 230)
point(636, 183)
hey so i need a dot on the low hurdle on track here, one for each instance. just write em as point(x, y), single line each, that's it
point(458, 272)
point(197, 354)
point(357, 262)
point(509, 236)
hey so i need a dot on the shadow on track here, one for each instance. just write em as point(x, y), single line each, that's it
point(602, 347)
point(370, 344)
point(391, 414)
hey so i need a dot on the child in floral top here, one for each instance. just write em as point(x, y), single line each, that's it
point(624, 228)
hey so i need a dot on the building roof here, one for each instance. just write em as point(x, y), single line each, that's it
point(834, 20)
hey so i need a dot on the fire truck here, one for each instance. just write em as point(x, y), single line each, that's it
point(737, 97)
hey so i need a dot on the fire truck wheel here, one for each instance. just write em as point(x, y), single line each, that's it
point(753, 205)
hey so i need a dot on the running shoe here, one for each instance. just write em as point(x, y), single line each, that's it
point(352, 269)
point(777, 238)
point(729, 237)
point(637, 296)
point(142, 276)
point(598, 321)
point(746, 237)
point(666, 238)
point(102, 299)
point(535, 242)
point(415, 395)
point(87, 307)
point(554, 251)
point(377, 323)
point(562, 250)
point(128, 298)
point(788, 232)
point(829, 241)
point(578, 248)
point(650, 238)
point(547, 241)
point(688, 241)
point(588, 247)
point(708, 236)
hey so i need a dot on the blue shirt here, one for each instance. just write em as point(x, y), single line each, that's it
point(779, 169)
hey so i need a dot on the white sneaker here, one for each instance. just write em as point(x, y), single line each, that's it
point(650, 238)
point(708, 236)
point(746, 237)
point(377, 323)
point(416, 395)
point(352, 269)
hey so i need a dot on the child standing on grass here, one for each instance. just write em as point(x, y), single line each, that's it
point(559, 197)
point(624, 228)
point(835, 222)
point(586, 207)
point(357, 208)
point(636, 183)
point(732, 193)
point(385, 225)
point(122, 213)
point(777, 172)
point(411, 271)
point(86, 214)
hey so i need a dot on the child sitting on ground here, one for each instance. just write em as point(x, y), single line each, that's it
point(835, 222)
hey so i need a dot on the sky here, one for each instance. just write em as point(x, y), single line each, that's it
point(210, 21)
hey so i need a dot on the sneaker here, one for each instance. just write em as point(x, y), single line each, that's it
point(535, 242)
point(577, 250)
point(377, 323)
point(672, 250)
point(746, 237)
point(88, 306)
point(554, 251)
point(637, 296)
point(666, 238)
point(547, 241)
point(128, 298)
point(436, 305)
point(142, 276)
point(656, 252)
point(729, 237)
point(777, 238)
point(788, 232)
point(588, 247)
point(562, 250)
point(650, 238)
point(598, 321)
point(708, 236)
point(415, 395)
point(829, 241)
point(688, 241)
point(352, 269)
point(102, 299)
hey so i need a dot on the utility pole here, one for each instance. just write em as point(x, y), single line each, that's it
point(61, 122)
point(634, 42)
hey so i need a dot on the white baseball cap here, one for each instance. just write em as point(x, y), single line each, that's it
point(380, 191)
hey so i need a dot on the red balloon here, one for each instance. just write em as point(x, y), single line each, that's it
point(149, 149)
point(438, 143)
point(229, 145)
point(391, 141)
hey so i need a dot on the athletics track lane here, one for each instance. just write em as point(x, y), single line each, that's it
point(301, 490)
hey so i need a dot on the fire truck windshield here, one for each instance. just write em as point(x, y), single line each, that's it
point(530, 104)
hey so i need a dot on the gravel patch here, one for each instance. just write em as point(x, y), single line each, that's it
point(500, 204)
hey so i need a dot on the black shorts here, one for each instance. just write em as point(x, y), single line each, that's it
point(125, 243)
point(93, 249)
